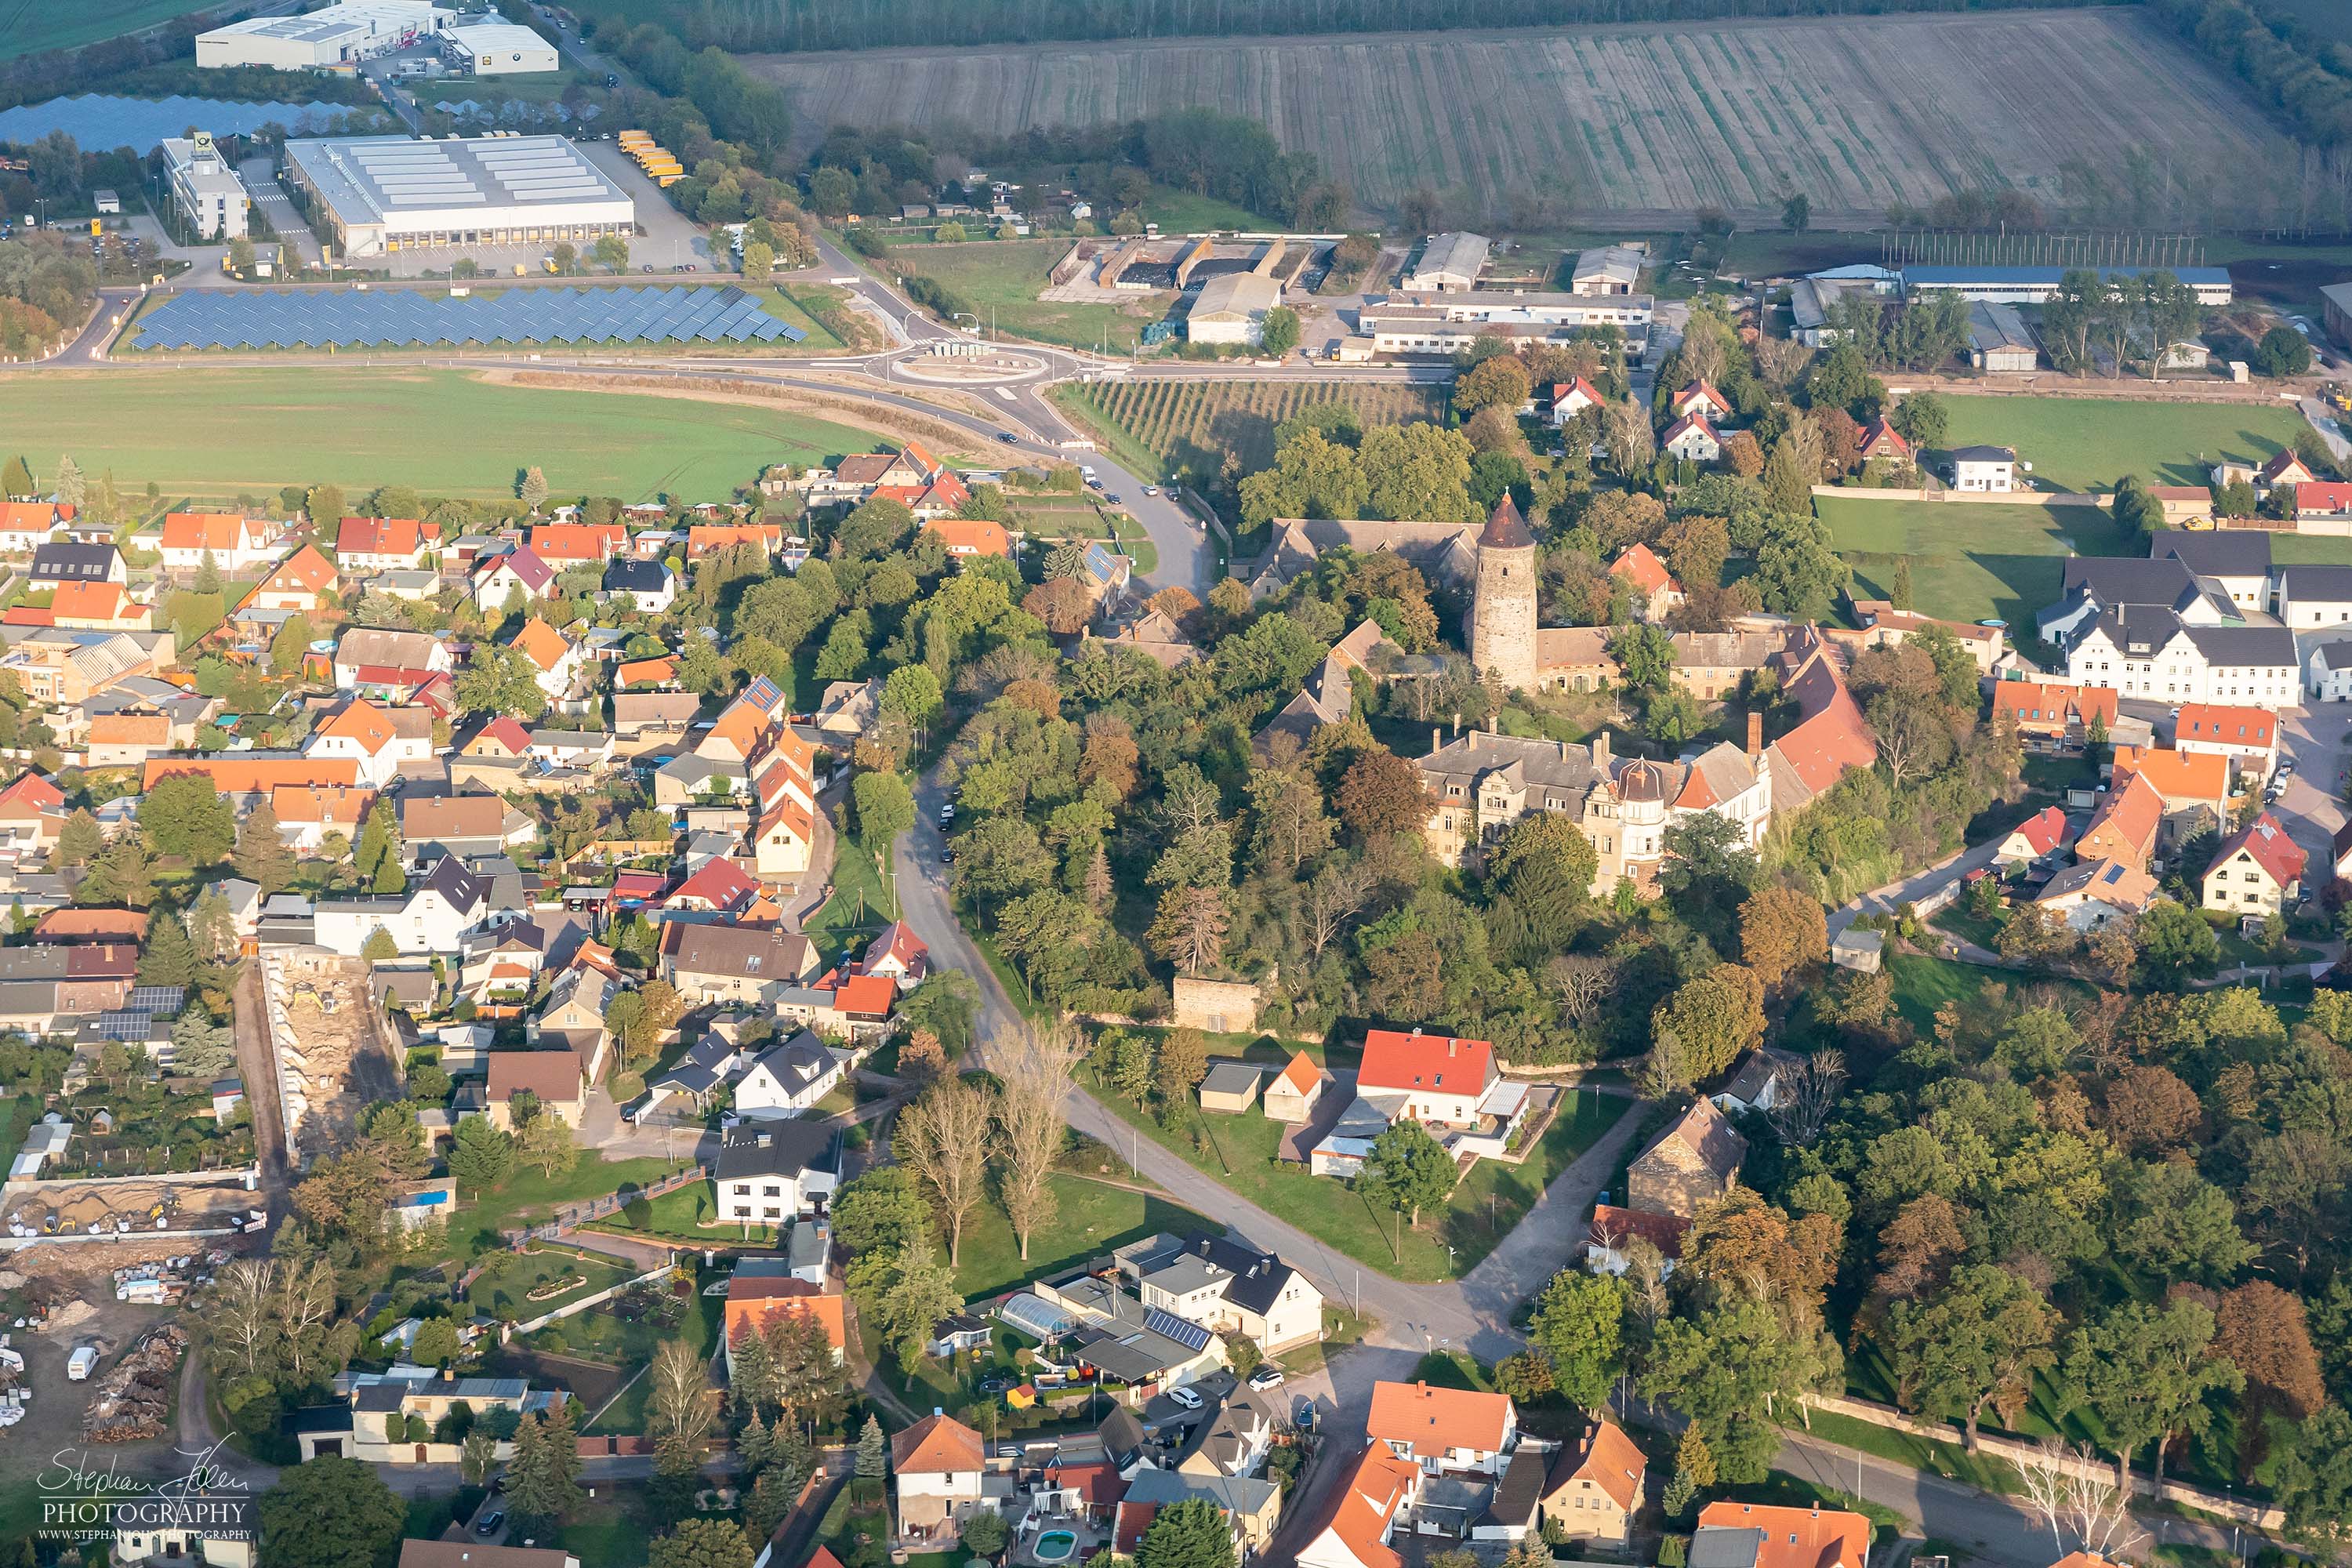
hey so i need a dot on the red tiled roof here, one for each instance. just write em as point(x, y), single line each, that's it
point(1432, 1421)
point(2218, 724)
point(720, 885)
point(972, 536)
point(1640, 565)
point(219, 532)
point(30, 795)
point(1397, 1061)
point(936, 1444)
point(1701, 389)
point(1795, 1537)
point(866, 995)
point(1362, 1508)
point(2123, 827)
point(2321, 496)
point(2042, 830)
point(379, 536)
point(1613, 1227)
point(2267, 843)
point(501, 733)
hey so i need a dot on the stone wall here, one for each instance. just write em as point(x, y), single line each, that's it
point(1221, 1007)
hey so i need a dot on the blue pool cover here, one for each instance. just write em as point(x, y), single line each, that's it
point(215, 319)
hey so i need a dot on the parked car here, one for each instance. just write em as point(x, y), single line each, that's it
point(1151, 490)
point(1185, 1397)
point(490, 1523)
point(1267, 1375)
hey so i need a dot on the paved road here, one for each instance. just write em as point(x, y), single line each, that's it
point(1885, 900)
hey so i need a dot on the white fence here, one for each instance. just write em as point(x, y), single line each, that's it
point(597, 1300)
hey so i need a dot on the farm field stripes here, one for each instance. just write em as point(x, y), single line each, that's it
point(1192, 426)
point(1856, 113)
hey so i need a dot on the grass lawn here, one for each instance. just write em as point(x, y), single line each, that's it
point(1956, 919)
point(600, 1333)
point(1922, 984)
point(785, 309)
point(1000, 281)
point(1183, 212)
point(442, 431)
point(528, 1196)
point(1239, 1151)
point(606, 1532)
point(2084, 443)
point(505, 1290)
point(1969, 563)
point(674, 1216)
point(16, 1117)
point(1092, 1218)
point(861, 903)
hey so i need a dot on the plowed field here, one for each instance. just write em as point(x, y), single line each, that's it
point(1855, 112)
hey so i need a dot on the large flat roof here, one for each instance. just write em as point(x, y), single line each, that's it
point(366, 17)
point(376, 178)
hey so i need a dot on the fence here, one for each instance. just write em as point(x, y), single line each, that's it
point(2017, 1451)
point(596, 1299)
point(1969, 498)
point(578, 1214)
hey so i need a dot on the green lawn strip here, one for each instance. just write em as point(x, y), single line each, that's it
point(1956, 920)
point(787, 309)
point(1137, 545)
point(607, 1532)
point(1000, 281)
point(637, 1342)
point(504, 1290)
point(529, 1198)
point(1091, 1218)
point(674, 1216)
point(28, 29)
point(1948, 1459)
point(2088, 443)
point(861, 903)
point(16, 1118)
point(1970, 561)
point(1117, 441)
point(1238, 1152)
point(1183, 212)
point(1922, 984)
point(441, 431)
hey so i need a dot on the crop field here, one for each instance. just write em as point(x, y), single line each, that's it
point(1855, 112)
point(2089, 443)
point(1185, 428)
point(999, 280)
point(220, 432)
point(30, 26)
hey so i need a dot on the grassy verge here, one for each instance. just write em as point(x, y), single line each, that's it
point(529, 1197)
point(1091, 1218)
point(861, 903)
point(506, 1288)
point(676, 1217)
point(1114, 438)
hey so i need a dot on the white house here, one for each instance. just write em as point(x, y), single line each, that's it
point(432, 917)
point(1226, 1287)
point(571, 748)
point(500, 577)
point(2313, 597)
point(367, 656)
point(375, 739)
point(939, 1472)
point(1436, 1077)
point(650, 586)
point(1569, 399)
point(2154, 654)
point(1984, 468)
point(554, 657)
point(379, 544)
point(2330, 671)
point(235, 541)
point(1756, 1084)
point(2248, 736)
point(1362, 1512)
point(1691, 438)
point(771, 1172)
point(1444, 1430)
point(789, 1079)
point(2090, 893)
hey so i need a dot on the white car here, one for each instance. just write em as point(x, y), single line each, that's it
point(1151, 490)
point(1185, 1397)
point(1266, 1376)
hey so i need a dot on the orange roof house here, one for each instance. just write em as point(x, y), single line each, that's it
point(294, 584)
point(501, 737)
point(1795, 1537)
point(218, 532)
point(2053, 709)
point(1830, 736)
point(1880, 439)
point(379, 541)
point(753, 1300)
point(2181, 779)
point(1603, 1462)
point(331, 805)
point(91, 924)
point(561, 545)
point(972, 536)
point(234, 772)
point(1397, 1062)
point(1361, 1513)
point(704, 537)
point(363, 724)
point(1435, 1426)
point(2124, 826)
point(938, 1445)
point(26, 523)
point(1703, 399)
point(646, 672)
point(1640, 565)
point(99, 606)
point(542, 644)
point(30, 795)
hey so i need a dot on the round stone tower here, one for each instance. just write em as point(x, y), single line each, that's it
point(1502, 632)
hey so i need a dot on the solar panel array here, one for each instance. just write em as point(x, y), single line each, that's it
point(1167, 1325)
point(103, 120)
point(210, 319)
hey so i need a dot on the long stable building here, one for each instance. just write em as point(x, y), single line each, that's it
point(377, 194)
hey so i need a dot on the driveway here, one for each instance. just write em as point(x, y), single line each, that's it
point(261, 177)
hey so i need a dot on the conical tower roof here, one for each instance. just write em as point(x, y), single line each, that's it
point(1506, 529)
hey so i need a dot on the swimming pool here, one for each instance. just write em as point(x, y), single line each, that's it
point(1055, 1546)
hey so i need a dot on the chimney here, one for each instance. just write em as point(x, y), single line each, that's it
point(1755, 736)
point(1436, 741)
point(1453, 1046)
point(1601, 757)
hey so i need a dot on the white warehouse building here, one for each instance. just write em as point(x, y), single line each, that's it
point(498, 49)
point(377, 194)
point(204, 189)
point(340, 34)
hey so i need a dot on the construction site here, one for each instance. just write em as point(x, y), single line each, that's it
point(333, 1050)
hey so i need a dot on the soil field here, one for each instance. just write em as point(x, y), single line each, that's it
point(1184, 429)
point(1855, 112)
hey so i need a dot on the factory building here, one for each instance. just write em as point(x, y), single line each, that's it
point(497, 49)
point(206, 190)
point(339, 35)
point(378, 194)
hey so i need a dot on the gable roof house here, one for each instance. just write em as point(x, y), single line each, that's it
point(26, 525)
point(771, 1172)
point(379, 544)
point(393, 663)
point(553, 1077)
point(497, 578)
point(938, 1471)
point(2037, 837)
point(650, 586)
point(432, 917)
point(2249, 737)
point(1594, 1489)
point(1761, 1535)
point(464, 825)
point(1292, 1094)
point(235, 541)
point(1362, 1512)
point(293, 584)
point(2090, 893)
point(1692, 439)
point(1694, 1162)
point(789, 1078)
point(2258, 870)
point(554, 657)
point(371, 741)
point(1435, 1078)
point(99, 606)
point(722, 963)
point(2054, 713)
point(1639, 565)
point(762, 1290)
point(65, 561)
point(898, 955)
point(1227, 1287)
point(32, 810)
point(1444, 1430)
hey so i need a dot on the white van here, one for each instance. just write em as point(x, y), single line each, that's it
point(81, 1363)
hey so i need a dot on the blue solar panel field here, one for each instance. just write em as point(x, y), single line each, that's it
point(97, 120)
point(398, 319)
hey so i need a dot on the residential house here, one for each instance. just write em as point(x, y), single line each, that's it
point(770, 1173)
point(2037, 837)
point(62, 668)
point(650, 674)
point(898, 955)
point(555, 659)
point(634, 713)
point(127, 740)
point(2258, 870)
point(98, 607)
point(1992, 469)
point(1594, 1488)
point(722, 963)
point(464, 825)
point(364, 545)
point(789, 1078)
point(589, 749)
point(2314, 598)
point(765, 1290)
point(307, 813)
point(501, 737)
point(1291, 1098)
point(2247, 736)
point(1444, 1430)
point(26, 525)
point(1758, 1082)
point(497, 579)
point(461, 1554)
point(232, 542)
point(1763, 1535)
point(1227, 1287)
point(966, 537)
point(562, 544)
point(1362, 1512)
point(2331, 672)
point(2092, 587)
point(1436, 1077)
point(2326, 499)
point(32, 811)
point(251, 773)
point(2283, 467)
point(2193, 785)
point(2234, 560)
point(1656, 594)
point(393, 662)
point(938, 1471)
point(573, 1016)
point(2156, 653)
point(705, 539)
point(720, 891)
point(1698, 400)
point(2124, 826)
point(1571, 398)
point(1692, 439)
point(1609, 1240)
point(1252, 1507)
point(373, 740)
point(2054, 716)
point(1693, 1162)
point(553, 1077)
point(651, 586)
point(431, 917)
point(2089, 893)
point(910, 475)
point(1884, 443)
point(66, 562)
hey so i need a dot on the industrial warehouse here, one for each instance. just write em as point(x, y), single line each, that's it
point(378, 194)
point(340, 34)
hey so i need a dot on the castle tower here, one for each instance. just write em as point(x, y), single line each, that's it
point(1502, 630)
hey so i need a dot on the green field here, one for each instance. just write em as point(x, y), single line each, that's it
point(28, 26)
point(218, 432)
point(2082, 444)
point(1973, 561)
point(1092, 1218)
point(999, 280)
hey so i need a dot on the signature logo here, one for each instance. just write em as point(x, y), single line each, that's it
point(83, 1501)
